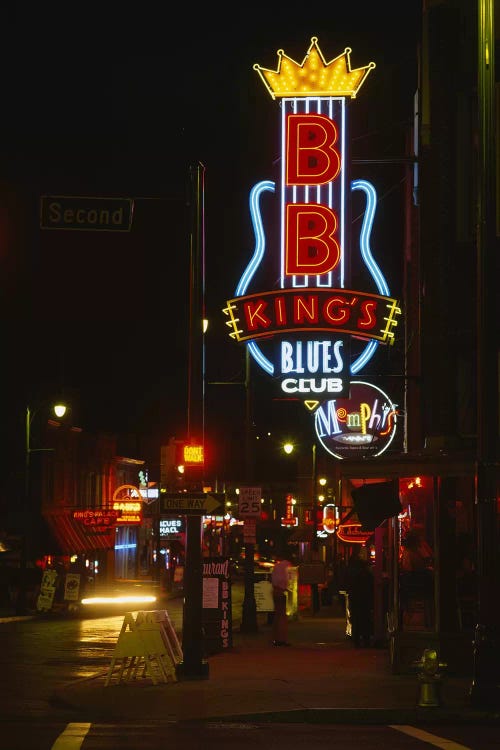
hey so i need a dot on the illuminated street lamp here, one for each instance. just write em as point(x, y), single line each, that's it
point(59, 410)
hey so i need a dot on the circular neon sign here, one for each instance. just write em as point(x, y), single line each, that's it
point(361, 426)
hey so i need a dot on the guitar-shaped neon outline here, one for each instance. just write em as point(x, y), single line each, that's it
point(260, 247)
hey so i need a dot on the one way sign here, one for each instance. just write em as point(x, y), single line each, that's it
point(195, 503)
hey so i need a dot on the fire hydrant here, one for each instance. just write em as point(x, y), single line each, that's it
point(429, 678)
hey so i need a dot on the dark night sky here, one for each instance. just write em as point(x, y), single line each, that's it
point(112, 103)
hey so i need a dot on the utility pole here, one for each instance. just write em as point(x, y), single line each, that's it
point(193, 665)
point(21, 603)
point(59, 410)
point(249, 608)
point(485, 688)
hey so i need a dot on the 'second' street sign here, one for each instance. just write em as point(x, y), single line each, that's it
point(202, 503)
point(86, 213)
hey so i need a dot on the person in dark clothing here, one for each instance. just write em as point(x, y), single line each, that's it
point(359, 587)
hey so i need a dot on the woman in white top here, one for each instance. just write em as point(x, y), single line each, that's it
point(279, 579)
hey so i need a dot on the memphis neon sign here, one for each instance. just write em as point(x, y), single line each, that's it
point(361, 426)
point(313, 309)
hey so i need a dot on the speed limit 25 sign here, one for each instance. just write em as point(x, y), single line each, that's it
point(249, 502)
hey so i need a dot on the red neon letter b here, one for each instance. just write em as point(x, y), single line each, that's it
point(311, 156)
point(310, 246)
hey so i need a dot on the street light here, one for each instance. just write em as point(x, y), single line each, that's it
point(59, 410)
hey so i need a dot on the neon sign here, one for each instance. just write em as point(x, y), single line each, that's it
point(128, 500)
point(97, 519)
point(171, 527)
point(330, 518)
point(312, 333)
point(352, 533)
point(356, 313)
point(361, 426)
point(130, 512)
point(289, 519)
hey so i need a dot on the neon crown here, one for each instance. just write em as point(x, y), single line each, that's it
point(314, 76)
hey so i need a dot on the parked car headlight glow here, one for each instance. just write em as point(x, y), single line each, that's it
point(140, 599)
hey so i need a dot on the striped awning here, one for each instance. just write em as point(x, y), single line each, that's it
point(74, 538)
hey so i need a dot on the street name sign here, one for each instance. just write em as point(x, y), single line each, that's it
point(192, 503)
point(86, 213)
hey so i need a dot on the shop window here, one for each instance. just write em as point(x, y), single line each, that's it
point(126, 552)
point(415, 546)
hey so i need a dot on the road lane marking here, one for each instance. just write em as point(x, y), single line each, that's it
point(72, 737)
point(432, 739)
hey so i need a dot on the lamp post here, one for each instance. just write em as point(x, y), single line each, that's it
point(288, 448)
point(314, 542)
point(194, 665)
point(59, 410)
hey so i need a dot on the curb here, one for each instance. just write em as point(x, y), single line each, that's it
point(367, 716)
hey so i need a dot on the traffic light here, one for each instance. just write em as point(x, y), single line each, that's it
point(170, 460)
point(182, 465)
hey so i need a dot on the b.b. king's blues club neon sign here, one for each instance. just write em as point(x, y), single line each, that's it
point(314, 333)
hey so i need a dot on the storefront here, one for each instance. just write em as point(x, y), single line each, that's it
point(77, 540)
point(425, 590)
point(79, 558)
point(132, 550)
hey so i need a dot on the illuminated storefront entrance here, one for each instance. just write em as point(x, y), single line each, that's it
point(423, 567)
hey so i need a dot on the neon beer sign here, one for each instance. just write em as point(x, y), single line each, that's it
point(312, 332)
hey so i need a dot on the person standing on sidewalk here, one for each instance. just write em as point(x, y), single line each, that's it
point(359, 587)
point(279, 580)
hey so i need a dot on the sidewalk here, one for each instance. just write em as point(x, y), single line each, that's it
point(320, 678)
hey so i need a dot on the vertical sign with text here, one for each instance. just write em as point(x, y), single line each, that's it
point(217, 607)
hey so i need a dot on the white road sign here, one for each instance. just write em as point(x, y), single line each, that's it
point(249, 502)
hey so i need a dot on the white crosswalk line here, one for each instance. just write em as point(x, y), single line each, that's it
point(432, 739)
point(72, 737)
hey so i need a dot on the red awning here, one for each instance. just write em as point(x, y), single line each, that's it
point(74, 538)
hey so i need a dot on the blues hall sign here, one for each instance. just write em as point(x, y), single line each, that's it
point(311, 332)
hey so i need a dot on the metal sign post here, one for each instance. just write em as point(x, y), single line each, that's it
point(249, 510)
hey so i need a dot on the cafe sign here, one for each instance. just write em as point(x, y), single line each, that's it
point(128, 500)
point(96, 520)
